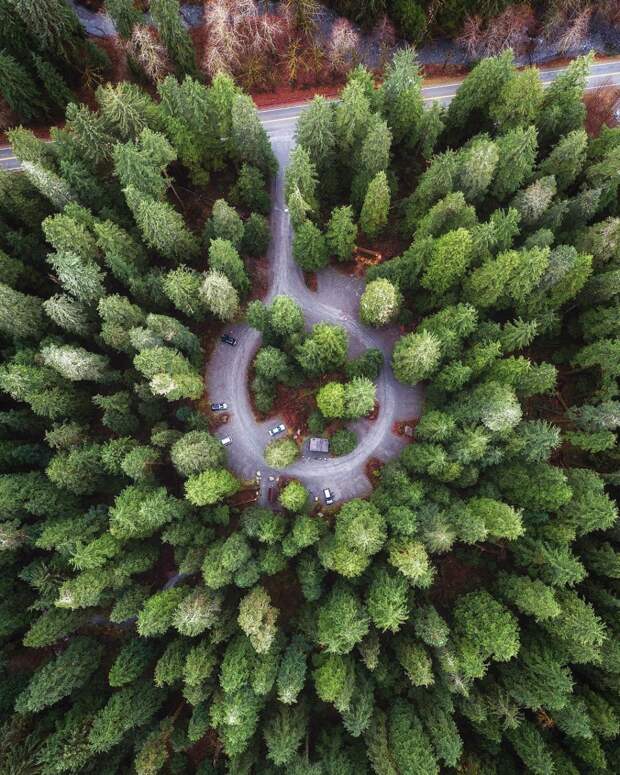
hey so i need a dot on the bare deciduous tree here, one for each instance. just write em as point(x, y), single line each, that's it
point(609, 10)
point(343, 46)
point(147, 50)
point(237, 33)
point(602, 105)
point(575, 30)
point(224, 43)
point(302, 15)
point(385, 36)
point(509, 29)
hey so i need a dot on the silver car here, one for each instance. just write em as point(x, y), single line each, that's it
point(278, 429)
point(226, 441)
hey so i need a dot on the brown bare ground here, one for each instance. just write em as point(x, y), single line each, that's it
point(601, 104)
point(371, 469)
point(311, 280)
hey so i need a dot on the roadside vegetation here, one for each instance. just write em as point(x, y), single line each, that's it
point(463, 617)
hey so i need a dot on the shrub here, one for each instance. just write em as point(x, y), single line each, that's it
point(342, 442)
point(294, 496)
point(255, 236)
point(280, 453)
point(410, 19)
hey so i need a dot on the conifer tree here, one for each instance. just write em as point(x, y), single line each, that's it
point(310, 247)
point(315, 133)
point(224, 223)
point(562, 108)
point(167, 16)
point(516, 157)
point(375, 210)
point(416, 357)
point(21, 315)
point(352, 116)
point(402, 97)
point(248, 138)
point(301, 178)
point(162, 227)
point(49, 184)
point(219, 295)
point(19, 89)
point(519, 100)
point(341, 232)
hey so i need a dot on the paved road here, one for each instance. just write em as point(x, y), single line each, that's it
point(336, 301)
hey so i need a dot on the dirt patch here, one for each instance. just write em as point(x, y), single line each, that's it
point(285, 593)
point(295, 405)
point(27, 660)
point(287, 95)
point(208, 748)
point(115, 47)
point(347, 268)
point(163, 570)
point(372, 469)
point(405, 428)
point(40, 130)
point(311, 280)
point(390, 244)
point(92, 5)
point(197, 203)
point(258, 269)
point(455, 577)
point(244, 497)
point(439, 74)
point(375, 412)
point(601, 105)
point(209, 333)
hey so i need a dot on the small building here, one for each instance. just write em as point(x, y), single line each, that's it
point(319, 445)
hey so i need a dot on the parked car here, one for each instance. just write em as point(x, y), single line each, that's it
point(219, 406)
point(229, 339)
point(277, 429)
point(271, 495)
point(226, 441)
point(329, 496)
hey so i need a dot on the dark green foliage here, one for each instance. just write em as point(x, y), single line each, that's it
point(463, 615)
point(410, 19)
point(19, 89)
point(167, 16)
point(342, 442)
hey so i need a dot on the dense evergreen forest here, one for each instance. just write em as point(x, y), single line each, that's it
point(462, 618)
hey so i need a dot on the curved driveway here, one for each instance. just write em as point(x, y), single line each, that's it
point(336, 301)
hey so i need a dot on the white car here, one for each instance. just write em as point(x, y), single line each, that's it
point(278, 429)
point(226, 441)
point(219, 406)
point(329, 496)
